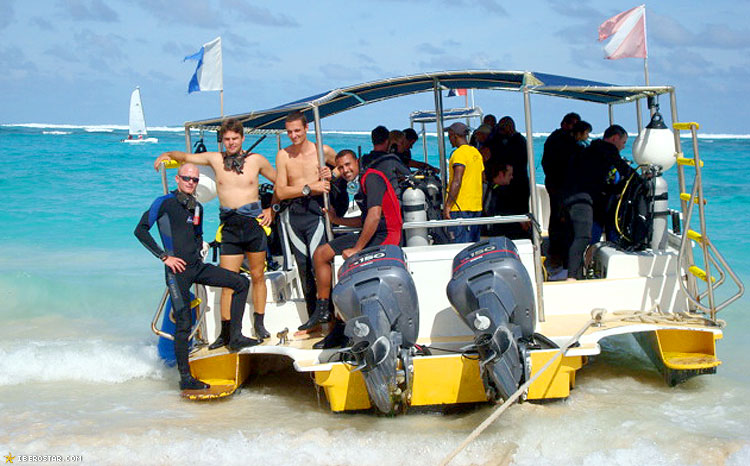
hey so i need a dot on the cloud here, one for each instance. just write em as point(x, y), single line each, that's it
point(203, 14)
point(429, 49)
point(671, 33)
point(93, 10)
point(340, 73)
point(580, 10)
point(6, 14)
point(258, 15)
point(42, 23)
point(63, 53)
point(15, 65)
point(102, 50)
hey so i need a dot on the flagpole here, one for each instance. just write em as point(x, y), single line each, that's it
point(221, 100)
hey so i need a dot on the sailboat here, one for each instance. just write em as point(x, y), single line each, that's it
point(137, 121)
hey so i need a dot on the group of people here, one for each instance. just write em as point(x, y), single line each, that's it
point(582, 181)
point(487, 176)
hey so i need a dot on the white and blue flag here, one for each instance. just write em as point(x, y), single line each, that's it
point(208, 74)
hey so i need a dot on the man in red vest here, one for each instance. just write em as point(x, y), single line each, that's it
point(381, 223)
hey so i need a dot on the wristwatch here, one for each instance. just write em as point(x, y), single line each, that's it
point(276, 207)
point(306, 191)
point(163, 256)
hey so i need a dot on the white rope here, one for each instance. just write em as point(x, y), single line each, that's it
point(596, 317)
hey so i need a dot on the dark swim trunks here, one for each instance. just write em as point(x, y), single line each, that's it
point(348, 240)
point(240, 230)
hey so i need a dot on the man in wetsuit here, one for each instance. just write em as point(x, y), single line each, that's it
point(178, 216)
point(410, 137)
point(559, 147)
point(381, 223)
point(389, 164)
point(302, 181)
point(587, 189)
point(242, 235)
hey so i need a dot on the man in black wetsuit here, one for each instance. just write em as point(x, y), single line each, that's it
point(178, 217)
point(390, 165)
point(558, 149)
point(380, 221)
point(587, 189)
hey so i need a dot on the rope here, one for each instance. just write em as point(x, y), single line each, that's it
point(596, 317)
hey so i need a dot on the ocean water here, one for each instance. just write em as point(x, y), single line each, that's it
point(79, 372)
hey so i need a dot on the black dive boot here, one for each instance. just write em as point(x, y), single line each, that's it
point(223, 338)
point(237, 340)
point(335, 339)
point(258, 328)
point(188, 382)
point(321, 315)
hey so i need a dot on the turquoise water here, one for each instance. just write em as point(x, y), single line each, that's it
point(79, 372)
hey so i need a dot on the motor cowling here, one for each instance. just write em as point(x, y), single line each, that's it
point(377, 300)
point(492, 293)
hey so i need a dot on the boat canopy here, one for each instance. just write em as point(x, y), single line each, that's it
point(345, 98)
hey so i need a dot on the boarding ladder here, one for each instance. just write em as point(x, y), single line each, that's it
point(712, 258)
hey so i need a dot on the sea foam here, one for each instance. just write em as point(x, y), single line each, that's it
point(86, 361)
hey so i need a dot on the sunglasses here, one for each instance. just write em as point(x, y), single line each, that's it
point(187, 179)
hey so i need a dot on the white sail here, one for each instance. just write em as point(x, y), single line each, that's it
point(137, 120)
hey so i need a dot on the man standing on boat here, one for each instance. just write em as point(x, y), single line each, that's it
point(179, 219)
point(559, 147)
point(464, 199)
point(242, 235)
point(303, 181)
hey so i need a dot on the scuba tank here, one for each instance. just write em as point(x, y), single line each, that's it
point(413, 207)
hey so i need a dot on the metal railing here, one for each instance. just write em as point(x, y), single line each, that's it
point(199, 302)
point(711, 255)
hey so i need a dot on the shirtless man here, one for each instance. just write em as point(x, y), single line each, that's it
point(241, 217)
point(302, 180)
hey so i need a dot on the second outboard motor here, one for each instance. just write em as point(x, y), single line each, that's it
point(377, 299)
point(491, 291)
point(413, 206)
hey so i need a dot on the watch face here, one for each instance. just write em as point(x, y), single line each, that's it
point(306, 190)
point(276, 207)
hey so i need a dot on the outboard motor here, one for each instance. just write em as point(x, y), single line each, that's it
point(492, 293)
point(377, 299)
point(413, 207)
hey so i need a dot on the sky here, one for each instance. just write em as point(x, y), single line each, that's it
point(77, 61)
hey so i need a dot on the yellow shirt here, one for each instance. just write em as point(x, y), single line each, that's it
point(469, 197)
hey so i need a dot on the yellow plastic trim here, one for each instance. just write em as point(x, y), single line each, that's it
point(170, 163)
point(686, 197)
point(687, 349)
point(195, 303)
point(345, 390)
point(695, 236)
point(700, 273)
point(557, 380)
point(687, 161)
point(687, 126)
point(450, 379)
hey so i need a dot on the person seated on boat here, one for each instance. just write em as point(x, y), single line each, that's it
point(587, 189)
point(464, 198)
point(381, 223)
point(490, 120)
point(382, 160)
point(411, 137)
point(242, 236)
point(508, 146)
point(178, 217)
point(559, 147)
point(499, 175)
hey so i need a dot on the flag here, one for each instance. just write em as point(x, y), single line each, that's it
point(455, 92)
point(208, 74)
point(628, 32)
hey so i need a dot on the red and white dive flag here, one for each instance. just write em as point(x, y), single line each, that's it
point(455, 92)
point(628, 32)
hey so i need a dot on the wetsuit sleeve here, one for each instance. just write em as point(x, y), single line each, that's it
point(142, 231)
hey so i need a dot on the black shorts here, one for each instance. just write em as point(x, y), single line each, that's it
point(348, 240)
point(241, 234)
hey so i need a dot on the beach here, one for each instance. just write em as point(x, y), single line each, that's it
point(80, 374)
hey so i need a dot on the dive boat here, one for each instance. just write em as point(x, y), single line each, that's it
point(444, 324)
point(137, 133)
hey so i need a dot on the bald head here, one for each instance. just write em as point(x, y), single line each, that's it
point(187, 178)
